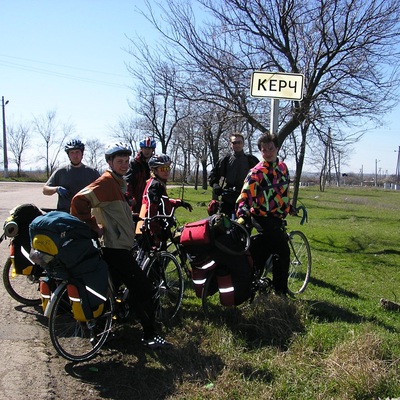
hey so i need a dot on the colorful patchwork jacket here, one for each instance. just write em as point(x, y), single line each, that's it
point(265, 191)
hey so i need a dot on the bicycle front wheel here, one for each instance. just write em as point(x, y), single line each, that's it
point(165, 273)
point(75, 340)
point(300, 262)
point(23, 288)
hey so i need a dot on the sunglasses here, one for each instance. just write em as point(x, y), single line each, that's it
point(164, 169)
point(237, 142)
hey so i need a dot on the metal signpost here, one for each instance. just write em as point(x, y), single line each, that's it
point(276, 86)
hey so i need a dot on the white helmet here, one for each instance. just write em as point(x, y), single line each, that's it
point(117, 149)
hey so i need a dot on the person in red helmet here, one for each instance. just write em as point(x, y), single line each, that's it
point(69, 180)
point(138, 173)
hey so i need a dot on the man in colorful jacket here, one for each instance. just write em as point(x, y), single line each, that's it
point(265, 200)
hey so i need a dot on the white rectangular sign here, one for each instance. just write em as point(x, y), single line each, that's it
point(277, 85)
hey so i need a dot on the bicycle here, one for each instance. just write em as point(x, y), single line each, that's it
point(73, 336)
point(162, 267)
point(299, 272)
point(21, 277)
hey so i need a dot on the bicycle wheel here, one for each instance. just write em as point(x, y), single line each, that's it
point(23, 288)
point(165, 273)
point(300, 262)
point(179, 253)
point(74, 340)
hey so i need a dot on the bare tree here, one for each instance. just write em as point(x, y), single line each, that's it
point(130, 130)
point(53, 134)
point(94, 154)
point(159, 102)
point(19, 142)
point(346, 50)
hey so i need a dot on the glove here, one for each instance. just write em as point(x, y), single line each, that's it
point(293, 211)
point(187, 206)
point(217, 190)
point(62, 191)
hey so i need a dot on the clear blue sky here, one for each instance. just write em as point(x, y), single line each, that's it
point(70, 56)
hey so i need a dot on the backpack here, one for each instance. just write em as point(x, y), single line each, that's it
point(16, 227)
point(76, 257)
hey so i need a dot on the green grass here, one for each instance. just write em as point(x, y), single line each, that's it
point(338, 342)
point(332, 342)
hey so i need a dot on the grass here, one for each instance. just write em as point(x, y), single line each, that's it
point(333, 342)
point(338, 342)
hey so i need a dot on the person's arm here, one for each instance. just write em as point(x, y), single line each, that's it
point(81, 207)
point(49, 190)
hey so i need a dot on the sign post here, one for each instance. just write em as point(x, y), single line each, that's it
point(276, 86)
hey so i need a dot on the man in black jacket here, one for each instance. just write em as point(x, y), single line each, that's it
point(231, 169)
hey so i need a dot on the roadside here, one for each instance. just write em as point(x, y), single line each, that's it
point(30, 368)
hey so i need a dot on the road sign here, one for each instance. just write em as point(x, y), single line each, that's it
point(277, 85)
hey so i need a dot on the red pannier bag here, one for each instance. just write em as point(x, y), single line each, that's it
point(197, 233)
point(200, 270)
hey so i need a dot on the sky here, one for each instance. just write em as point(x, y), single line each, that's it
point(70, 56)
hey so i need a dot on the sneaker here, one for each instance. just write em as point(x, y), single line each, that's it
point(156, 342)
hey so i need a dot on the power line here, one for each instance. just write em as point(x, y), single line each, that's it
point(61, 74)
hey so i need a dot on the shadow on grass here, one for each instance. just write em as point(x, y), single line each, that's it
point(126, 370)
point(334, 288)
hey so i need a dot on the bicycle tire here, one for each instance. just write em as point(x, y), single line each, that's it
point(75, 340)
point(179, 253)
point(22, 288)
point(165, 273)
point(300, 262)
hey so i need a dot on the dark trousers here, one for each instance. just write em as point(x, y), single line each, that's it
point(124, 269)
point(228, 203)
point(272, 241)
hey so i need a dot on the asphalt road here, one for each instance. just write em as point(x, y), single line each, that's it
point(27, 362)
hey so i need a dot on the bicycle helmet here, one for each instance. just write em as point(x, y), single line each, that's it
point(73, 145)
point(148, 142)
point(159, 160)
point(117, 149)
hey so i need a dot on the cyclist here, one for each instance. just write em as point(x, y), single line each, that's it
point(138, 173)
point(232, 169)
point(103, 205)
point(155, 198)
point(69, 180)
point(265, 198)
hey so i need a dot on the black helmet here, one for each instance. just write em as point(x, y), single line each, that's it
point(117, 149)
point(159, 160)
point(73, 145)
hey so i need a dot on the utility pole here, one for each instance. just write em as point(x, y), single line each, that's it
point(398, 167)
point(3, 104)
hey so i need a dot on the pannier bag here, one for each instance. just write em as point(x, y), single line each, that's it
point(221, 244)
point(16, 226)
point(216, 232)
point(63, 246)
point(199, 274)
point(45, 293)
point(234, 279)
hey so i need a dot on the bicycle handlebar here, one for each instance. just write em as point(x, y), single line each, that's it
point(304, 217)
point(166, 217)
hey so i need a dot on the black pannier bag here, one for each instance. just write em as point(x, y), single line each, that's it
point(16, 227)
point(74, 256)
